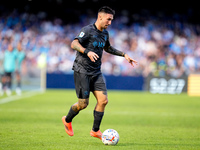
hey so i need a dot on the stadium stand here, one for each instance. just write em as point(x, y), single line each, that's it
point(162, 48)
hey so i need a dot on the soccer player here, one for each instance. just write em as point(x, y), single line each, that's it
point(19, 59)
point(9, 68)
point(89, 44)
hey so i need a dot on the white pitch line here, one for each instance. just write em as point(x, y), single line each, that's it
point(18, 97)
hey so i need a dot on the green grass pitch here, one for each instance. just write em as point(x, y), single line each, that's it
point(144, 121)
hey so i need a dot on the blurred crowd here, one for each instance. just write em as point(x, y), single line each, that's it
point(162, 48)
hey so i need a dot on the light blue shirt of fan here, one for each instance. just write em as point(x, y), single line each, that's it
point(19, 60)
point(9, 61)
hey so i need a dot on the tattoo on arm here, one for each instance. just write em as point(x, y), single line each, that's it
point(77, 46)
point(114, 51)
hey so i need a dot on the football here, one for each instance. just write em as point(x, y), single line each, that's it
point(110, 137)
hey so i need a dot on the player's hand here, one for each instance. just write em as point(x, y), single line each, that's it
point(130, 60)
point(93, 56)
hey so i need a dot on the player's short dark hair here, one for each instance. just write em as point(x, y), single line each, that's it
point(106, 9)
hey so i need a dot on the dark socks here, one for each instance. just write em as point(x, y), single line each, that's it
point(71, 114)
point(97, 120)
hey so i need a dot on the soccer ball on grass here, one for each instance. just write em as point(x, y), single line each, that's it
point(110, 137)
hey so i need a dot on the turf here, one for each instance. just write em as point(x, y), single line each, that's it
point(144, 121)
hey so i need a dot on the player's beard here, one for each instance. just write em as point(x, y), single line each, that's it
point(106, 26)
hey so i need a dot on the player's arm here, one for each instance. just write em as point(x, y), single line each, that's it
point(114, 51)
point(78, 47)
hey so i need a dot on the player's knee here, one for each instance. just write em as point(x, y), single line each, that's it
point(83, 103)
point(83, 106)
point(104, 102)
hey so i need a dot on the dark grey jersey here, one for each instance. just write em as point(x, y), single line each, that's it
point(93, 40)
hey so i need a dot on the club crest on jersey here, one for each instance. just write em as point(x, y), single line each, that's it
point(81, 34)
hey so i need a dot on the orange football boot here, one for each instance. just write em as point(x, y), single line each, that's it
point(97, 134)
point(68, 127)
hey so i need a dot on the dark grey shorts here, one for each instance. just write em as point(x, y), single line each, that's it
point(85, 83)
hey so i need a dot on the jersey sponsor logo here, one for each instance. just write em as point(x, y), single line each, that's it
point(95, 43)
point(81, 34)
point(98, 44)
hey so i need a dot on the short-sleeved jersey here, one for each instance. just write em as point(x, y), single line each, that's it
point(10, 61)
point(20, 58)
point(93, 40)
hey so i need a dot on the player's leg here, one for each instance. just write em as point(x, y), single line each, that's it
point(102, 100)
point(100, 93)
point(83, 91)
point(8, 83)
point(82, 86)
point(3, 82)
point(73, 111)
point(75, 108)
point(99, 108)
point(98, 113)
point(18, 78)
